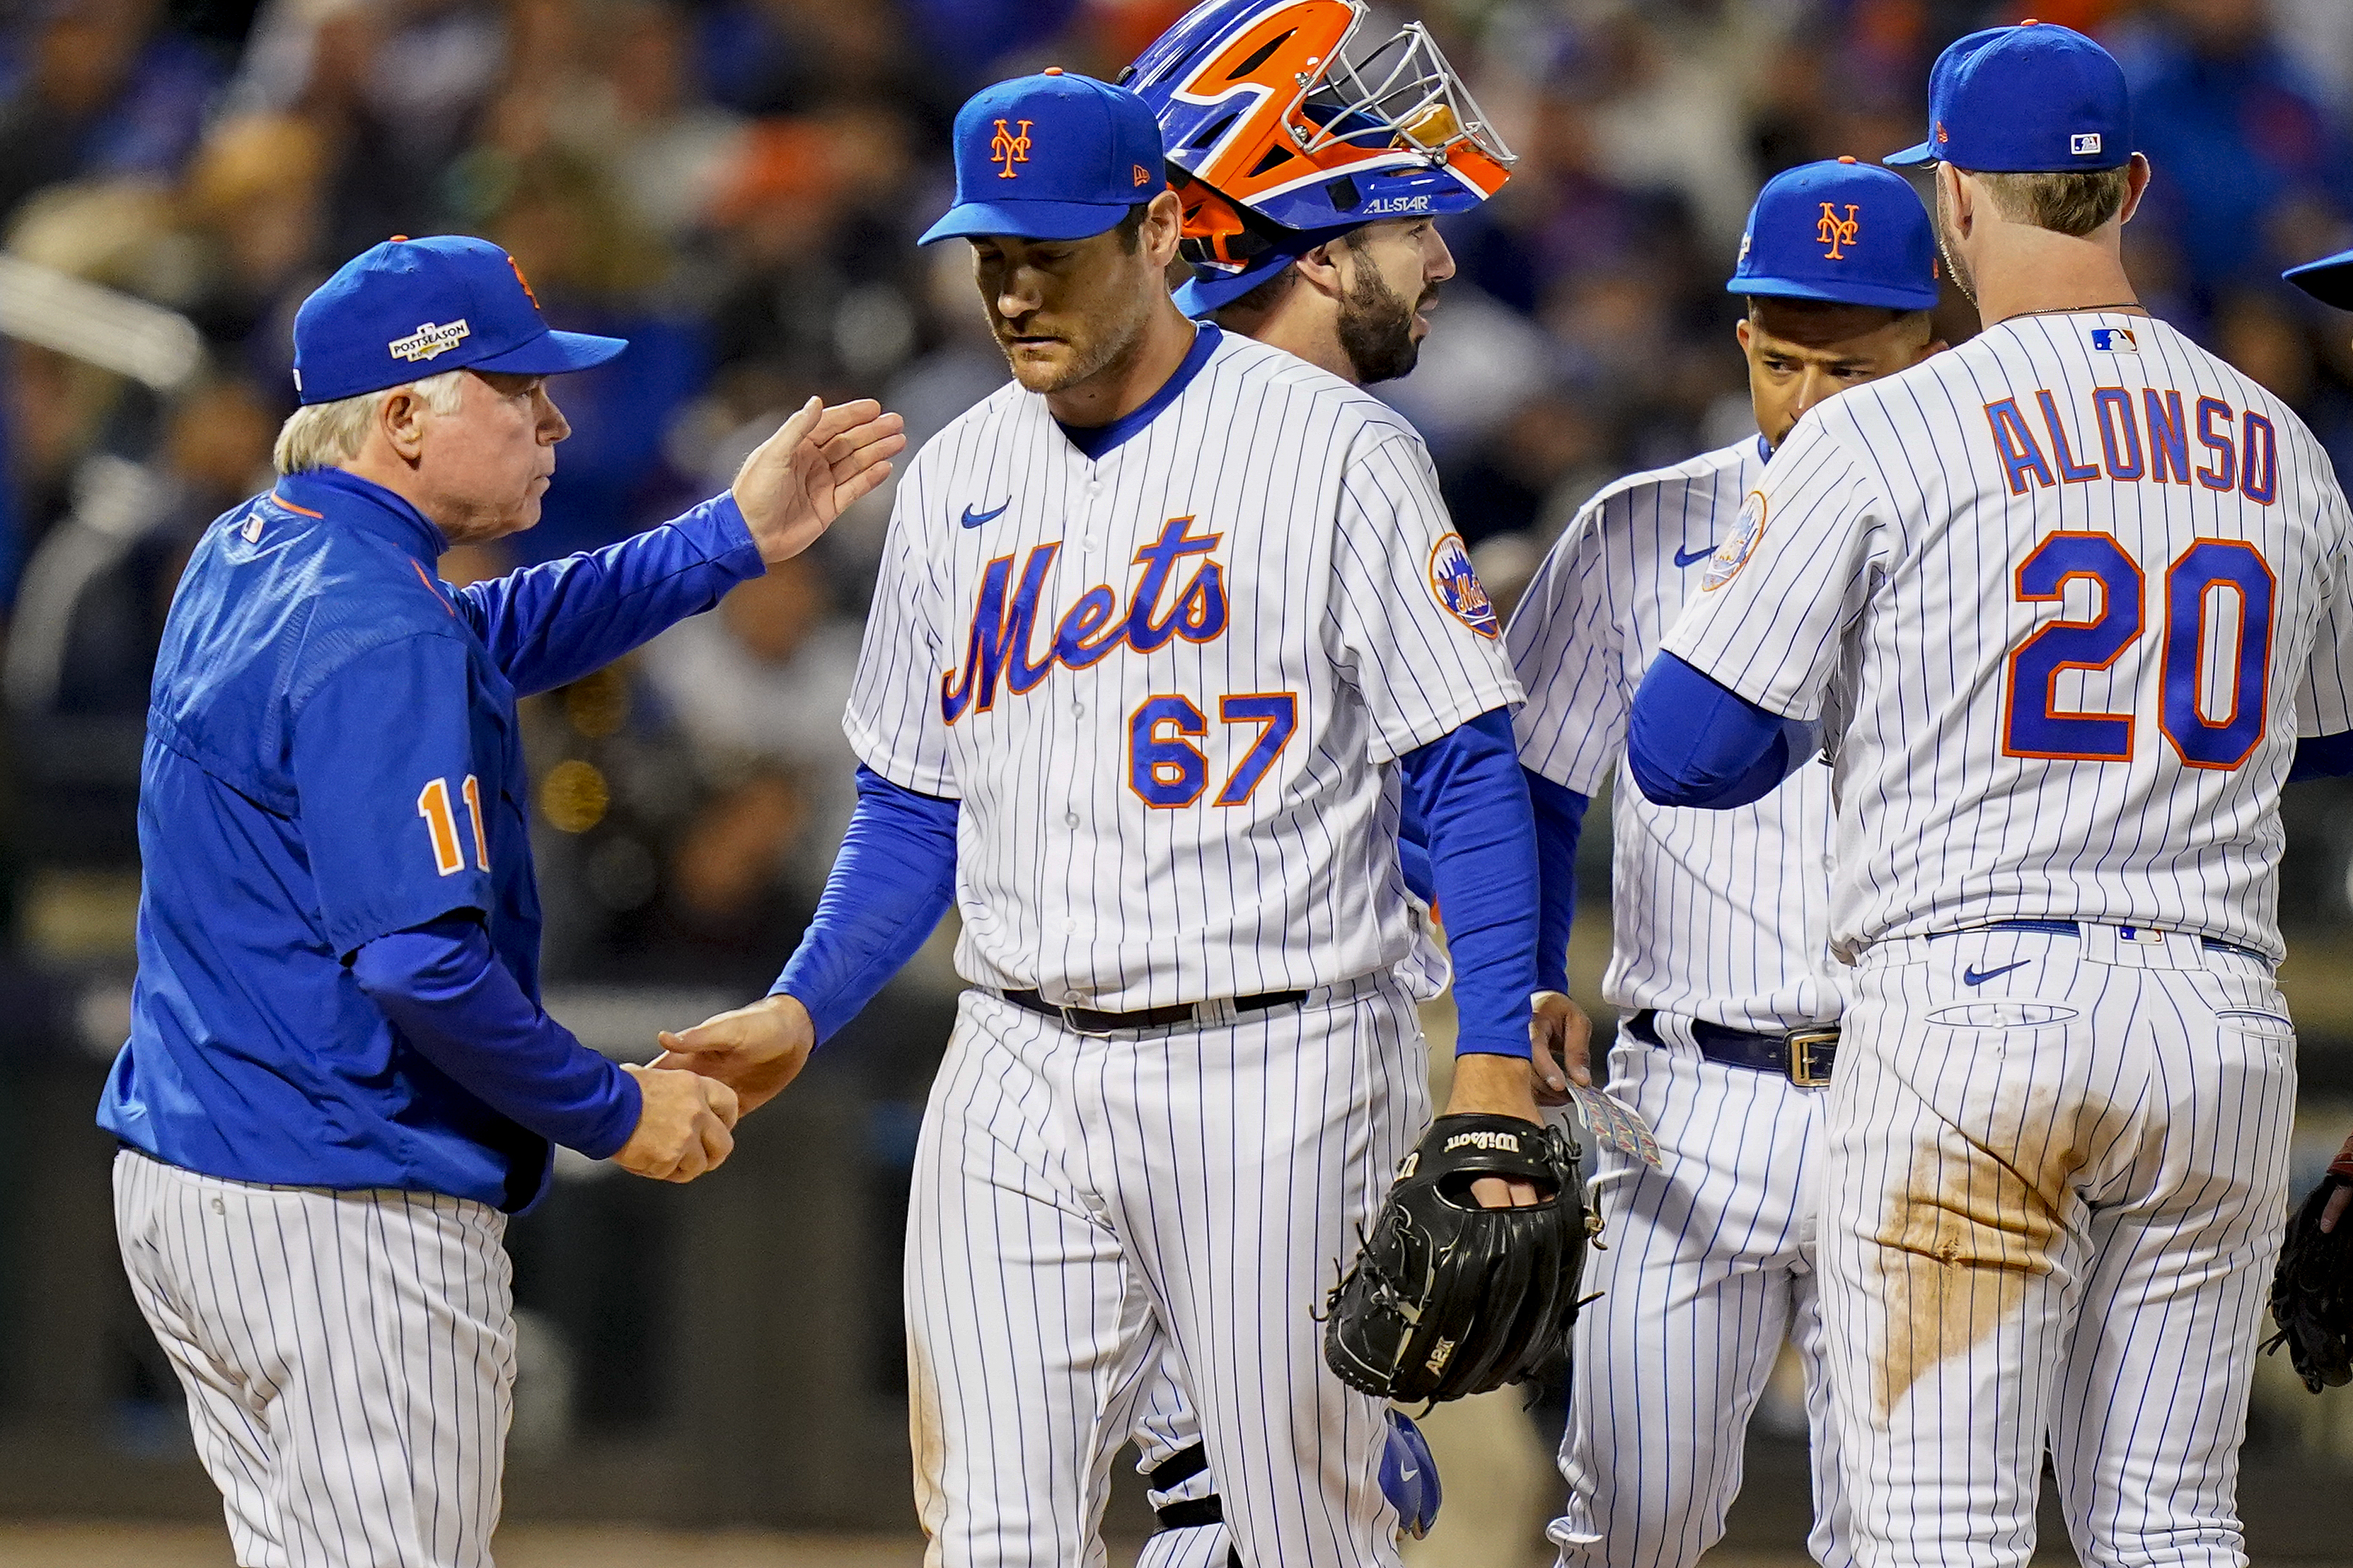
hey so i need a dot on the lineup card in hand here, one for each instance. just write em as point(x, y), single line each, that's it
point(1617, 1124)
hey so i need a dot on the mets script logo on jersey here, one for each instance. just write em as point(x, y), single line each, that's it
point(1005, 618)
point(2115, 340)
point(1009, 147)
point(1835, 231)
point(1458, 588)
point(429, 339)
point(1732, 554)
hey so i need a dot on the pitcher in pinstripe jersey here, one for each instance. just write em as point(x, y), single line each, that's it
point(1160, 631)
point(2071, 603)
point(1720, 921)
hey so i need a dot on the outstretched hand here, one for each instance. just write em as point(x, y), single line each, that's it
point(808, 473)
point(755, 1051)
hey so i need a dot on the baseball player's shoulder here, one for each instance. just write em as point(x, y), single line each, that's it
point(1694, 482)
point(1264, 379)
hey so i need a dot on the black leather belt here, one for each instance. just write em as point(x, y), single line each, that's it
point(1088, 1021)
point(1804, 1057)
point(2072, 928)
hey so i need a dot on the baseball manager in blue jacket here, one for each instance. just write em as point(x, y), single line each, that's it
point(338, 1080)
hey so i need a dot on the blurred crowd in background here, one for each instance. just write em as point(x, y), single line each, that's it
point(735, 185)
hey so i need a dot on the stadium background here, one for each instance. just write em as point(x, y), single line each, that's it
point(735, 185)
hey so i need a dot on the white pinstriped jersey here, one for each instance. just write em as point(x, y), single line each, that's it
point(1722, 915)
point(1166, 686)
point(2059, 587)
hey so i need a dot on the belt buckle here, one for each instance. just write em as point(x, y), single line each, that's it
point(1070, 1022)
point(1802, 1046)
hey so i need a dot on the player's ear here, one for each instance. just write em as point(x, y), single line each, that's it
point(1740, 331)
point(401, 417)
point(1320, 267)
point(1164, 228)
point(2137, 174)
point(1958, 197)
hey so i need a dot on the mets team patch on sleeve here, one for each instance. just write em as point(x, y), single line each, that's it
point(1457, 586)
point(1738, 545)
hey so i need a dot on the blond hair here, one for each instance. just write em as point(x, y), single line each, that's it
point(2070, 204)
point(322, 435)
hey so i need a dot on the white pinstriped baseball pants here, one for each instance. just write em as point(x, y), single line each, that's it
point(349, 1360)
point(1708, 1267)
point(2051, 1207)
point(1081, 1202)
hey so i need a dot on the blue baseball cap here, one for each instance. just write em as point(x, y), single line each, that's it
point(1052, 156)
point(408, 309)
point(1840, 231)
point(2328, 280)
point(2035, 99)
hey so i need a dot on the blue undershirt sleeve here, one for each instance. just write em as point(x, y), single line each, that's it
point(553, 622)
point(891, 882)
point(1560, 819)
point(2321, 757)
point(1481, 837)
point(445, 990)
point(1690, 741)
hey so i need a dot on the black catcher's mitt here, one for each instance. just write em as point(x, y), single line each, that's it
point(2312, 1290)
point(1448, 1298)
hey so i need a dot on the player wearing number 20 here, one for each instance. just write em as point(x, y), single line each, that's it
point(2065, 599)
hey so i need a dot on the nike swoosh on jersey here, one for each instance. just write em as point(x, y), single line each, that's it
point(974, 519)
point(1971, 977)
point(1690, 557)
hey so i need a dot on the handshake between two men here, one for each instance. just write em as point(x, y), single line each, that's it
point(706, 1079)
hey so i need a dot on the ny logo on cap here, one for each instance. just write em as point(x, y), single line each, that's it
point(1009, 147)
point(1835, 231)
point(428, 340)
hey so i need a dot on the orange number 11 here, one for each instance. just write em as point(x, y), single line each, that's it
point(432, 805)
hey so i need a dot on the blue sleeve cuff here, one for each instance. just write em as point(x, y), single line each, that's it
point(1475, 806)
point(892, 882)
point(447, 994)
point(1692, 741)
point(1560, 822)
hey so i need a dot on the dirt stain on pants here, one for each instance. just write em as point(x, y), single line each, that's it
point(1976, 1216)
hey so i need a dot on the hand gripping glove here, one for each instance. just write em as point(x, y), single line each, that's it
point(1448, 1298)
point(2312, 1290)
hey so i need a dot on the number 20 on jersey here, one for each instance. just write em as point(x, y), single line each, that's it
point(2216, 598)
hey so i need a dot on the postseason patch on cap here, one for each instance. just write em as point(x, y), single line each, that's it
point(429, 339)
